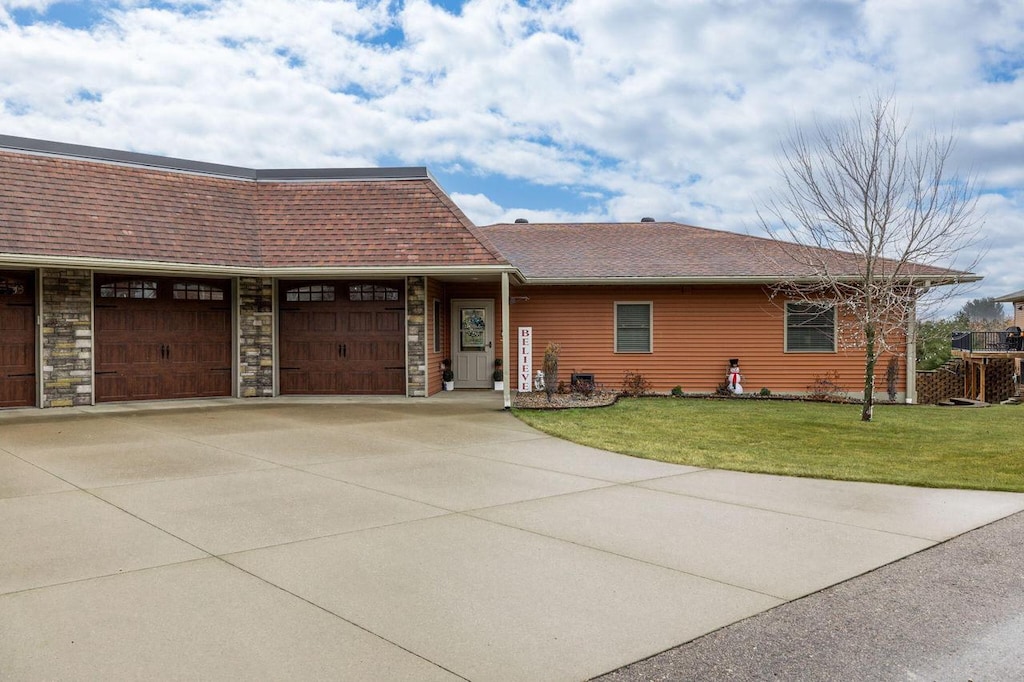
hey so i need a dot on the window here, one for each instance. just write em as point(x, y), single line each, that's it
point(135, 288)
point(810, 328)
point(633, 327)
point(372, 292)
point(11, 287)
point(194, 291)
point(437, 326)
point(311, 292)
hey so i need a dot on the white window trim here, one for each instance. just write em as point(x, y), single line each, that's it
point(650, 328)
point(785, 328)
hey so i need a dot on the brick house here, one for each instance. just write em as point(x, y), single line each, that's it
point(127, 276)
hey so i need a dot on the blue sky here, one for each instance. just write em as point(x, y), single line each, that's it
point(558, 110)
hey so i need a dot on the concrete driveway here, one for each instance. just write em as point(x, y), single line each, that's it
point(400, 539)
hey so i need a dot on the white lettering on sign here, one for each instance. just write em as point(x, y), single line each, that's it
point(525, 359)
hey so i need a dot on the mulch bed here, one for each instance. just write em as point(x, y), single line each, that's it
point(538, 400)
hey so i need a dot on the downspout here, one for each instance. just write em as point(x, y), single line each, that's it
point(506, 303)
point(911, 395)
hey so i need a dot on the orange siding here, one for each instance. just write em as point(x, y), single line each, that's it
point(695, 332)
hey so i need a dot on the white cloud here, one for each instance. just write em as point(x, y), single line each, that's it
point(668, 109)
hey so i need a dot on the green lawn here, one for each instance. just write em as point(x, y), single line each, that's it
point(941, 447)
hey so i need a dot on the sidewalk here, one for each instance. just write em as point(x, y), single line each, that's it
point(951, 613)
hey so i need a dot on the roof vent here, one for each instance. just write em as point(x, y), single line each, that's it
point(648, 220)
point(521, 221)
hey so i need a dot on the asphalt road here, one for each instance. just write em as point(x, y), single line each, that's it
point(953, 612)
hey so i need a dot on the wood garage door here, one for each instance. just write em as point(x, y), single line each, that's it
point(17, 339)
point(160, 338)
point(342, 338)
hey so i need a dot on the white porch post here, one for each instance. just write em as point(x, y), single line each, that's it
point(911, 393)
point(505, 364)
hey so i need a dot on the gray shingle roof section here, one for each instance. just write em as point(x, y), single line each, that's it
point(63, 149)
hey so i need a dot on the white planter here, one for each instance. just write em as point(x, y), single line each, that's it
point(499, 385)
point(449, 385)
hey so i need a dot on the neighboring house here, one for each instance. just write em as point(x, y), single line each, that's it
point(981, 352)
point(126, 276)
point(1016, 299)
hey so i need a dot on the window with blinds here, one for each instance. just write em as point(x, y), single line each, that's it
point(810, 328)
point(633, 327)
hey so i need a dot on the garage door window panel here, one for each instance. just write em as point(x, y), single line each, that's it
point(310, 292)
point(197, 291)
point(135, 288)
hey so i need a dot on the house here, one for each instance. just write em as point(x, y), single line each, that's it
point(127, 276)
point(1016, 299)
point(993, 352)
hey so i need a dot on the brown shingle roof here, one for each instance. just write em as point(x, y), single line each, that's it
point(609, 251)
point(379, 223)
point(89, 208)
point(68, 207)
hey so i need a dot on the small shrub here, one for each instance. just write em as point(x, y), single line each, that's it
point(564, 388)
point(635, 385)
point(827, 388)
point(723, 389)
point(892, 372)
point(677, 391)
point(551, 369)
point(764, 392)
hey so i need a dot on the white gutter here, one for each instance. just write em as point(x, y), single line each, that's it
point(756, 279)
point(161, 267)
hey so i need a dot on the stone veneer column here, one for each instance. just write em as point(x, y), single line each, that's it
point(256, 337)
point(416, 336)
point(67, 337)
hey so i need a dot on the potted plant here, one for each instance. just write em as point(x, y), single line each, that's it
point(447, 375)
point(498, 376)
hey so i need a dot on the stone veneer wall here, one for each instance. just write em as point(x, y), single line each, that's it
point(67, 338)
point(416, 336)
point(256, 337)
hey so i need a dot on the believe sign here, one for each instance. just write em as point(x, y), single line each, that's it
point(525, 359)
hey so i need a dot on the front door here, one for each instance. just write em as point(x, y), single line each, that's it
point(473, 342)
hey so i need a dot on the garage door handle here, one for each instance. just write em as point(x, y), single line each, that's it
point(342, 350)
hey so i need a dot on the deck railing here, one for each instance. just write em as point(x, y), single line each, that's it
point(991, 342)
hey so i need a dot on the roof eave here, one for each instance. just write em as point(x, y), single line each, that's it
point(213, 270)
point(926, 281)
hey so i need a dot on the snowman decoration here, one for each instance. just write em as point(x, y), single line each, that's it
point(733, 378)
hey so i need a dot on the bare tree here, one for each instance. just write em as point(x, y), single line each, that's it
point(868, 218)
